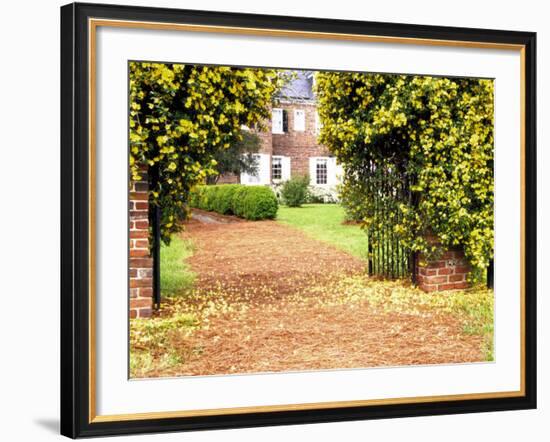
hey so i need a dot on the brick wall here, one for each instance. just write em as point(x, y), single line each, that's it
point(299, 146)
point(266, 140)
point(229, 178)
point(449, 272)
point(140, 262)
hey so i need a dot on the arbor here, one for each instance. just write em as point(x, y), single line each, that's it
point(238, 157)
point(438, 131)
point(180, 116)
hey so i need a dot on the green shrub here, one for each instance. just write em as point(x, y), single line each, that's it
point(249, 202)
point(194, 197)
point(259, 203)
point(212, 198)
point(352, 199)
point(198, 198)
point(294, 192)
point(223, 199)
point(236, 206)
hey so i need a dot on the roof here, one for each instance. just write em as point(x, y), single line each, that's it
point(300, 87)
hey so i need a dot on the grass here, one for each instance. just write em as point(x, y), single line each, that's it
point(479, 312)
point(175, 274)
point(324, 222)
point(154, 342)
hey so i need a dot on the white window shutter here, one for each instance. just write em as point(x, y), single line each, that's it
point(285, 168)
point(339, 172)
point(318, 123)
point(265, 172)
point(331, 171)
point(277, 121)
point(313, 170)
point(299, 120)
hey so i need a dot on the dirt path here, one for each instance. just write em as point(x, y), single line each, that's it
point(263, 254)
point(271, 299)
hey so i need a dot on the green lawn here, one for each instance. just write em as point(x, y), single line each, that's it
point(324, 223)
point(175, 274)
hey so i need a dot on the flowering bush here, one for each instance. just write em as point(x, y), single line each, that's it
point(436, 131)
point(181, 115)
point(327, 195)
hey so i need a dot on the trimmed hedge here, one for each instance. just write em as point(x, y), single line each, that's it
point(249, 202)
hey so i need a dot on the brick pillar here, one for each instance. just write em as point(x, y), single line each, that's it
point(449, 272)
point(141, 263)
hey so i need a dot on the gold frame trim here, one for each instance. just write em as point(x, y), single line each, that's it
point(93, 24)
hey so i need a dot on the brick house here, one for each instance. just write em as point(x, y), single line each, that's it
point(289, 146)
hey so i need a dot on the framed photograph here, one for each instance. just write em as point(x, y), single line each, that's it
point(274, 220)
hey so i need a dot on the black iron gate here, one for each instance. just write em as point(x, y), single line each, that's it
point(388, 257)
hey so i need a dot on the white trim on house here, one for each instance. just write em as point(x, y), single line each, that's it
point(286, 168)
point(338, 172)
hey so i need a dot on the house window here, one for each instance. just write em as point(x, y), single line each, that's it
point(277, 125)
point(277, 168)
point(299, 120)
point(321, 171)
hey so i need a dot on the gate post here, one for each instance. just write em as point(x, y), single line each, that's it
point(140, 261)
point(155, 220)
point(491, 274)
point(448, 272)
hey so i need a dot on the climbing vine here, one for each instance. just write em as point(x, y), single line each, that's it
point(180, 115)
point(436, 131)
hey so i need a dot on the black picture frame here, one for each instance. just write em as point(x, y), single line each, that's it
point(75, 220)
